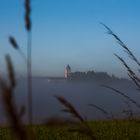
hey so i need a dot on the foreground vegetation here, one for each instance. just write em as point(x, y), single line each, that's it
point(104, 130)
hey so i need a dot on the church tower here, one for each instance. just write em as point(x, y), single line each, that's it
point(67, 71)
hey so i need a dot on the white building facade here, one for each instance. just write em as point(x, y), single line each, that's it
point(67, 71)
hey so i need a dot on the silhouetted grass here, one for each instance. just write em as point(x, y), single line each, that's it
point(123, 94)
point(122, 44)
point(69, 108)
point(99, 108)
point(133, 76)
point(9, 103)
point(28, 60)
point(14, 44)
point(14, 118)
point(131, 73)
point(28, 27)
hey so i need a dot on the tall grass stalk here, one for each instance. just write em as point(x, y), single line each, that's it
point(9, 103)
point(29, 57)
point(123, 95)
point(123, 45)
point(69, 108)
point(99, 108)
point(132, 75)
point(29, 75)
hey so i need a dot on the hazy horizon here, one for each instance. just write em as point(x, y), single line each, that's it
point(69, 32)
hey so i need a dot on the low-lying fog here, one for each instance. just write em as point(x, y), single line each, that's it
point(80, 94)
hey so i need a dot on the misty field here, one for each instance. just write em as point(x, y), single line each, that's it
point(104, 130)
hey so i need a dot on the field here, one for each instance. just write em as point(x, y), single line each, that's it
point(103, 130)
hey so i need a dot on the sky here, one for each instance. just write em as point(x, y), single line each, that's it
point(69, 32)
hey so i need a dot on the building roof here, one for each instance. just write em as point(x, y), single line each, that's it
point(68, 67)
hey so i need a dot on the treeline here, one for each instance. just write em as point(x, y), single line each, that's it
point(91, 75)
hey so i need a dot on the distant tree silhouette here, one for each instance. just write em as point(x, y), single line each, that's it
point(91, 75)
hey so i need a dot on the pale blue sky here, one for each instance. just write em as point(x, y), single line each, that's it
point(68, 32)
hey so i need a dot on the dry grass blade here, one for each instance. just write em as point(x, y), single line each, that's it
point(69, 108)
point(99, 108)
point(29, 57)
point(10, 108)
point(13, 42)
point(122, 44)
point(124, 95)
point(27, 15)
point(131, 73)
point(11, 73)
point(135, 81)
point(125, 64)
point(12, 115)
